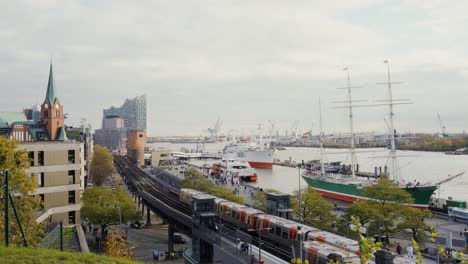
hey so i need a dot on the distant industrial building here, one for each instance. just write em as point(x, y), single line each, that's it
point(56, 156)
point(133, 113)
point(136, 142)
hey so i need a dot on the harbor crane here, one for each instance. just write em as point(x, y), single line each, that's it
point(216, 128)
point(294, 127)
point(442, 133)
point(272, 129)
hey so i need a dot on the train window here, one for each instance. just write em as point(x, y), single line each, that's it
point(284, 234)
point(278, 231)
point(272, 230)
point(237, 216)
point(233, 214)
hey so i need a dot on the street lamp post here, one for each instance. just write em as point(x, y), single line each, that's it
point(437, 242)
point(7, 209)
point(299, 232)
point(300, 198)
point(259, 245)
point(259, 230)
point(380, 231)
point(120, 220)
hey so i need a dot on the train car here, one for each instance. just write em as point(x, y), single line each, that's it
point(248, 217)
point(186, 195)
point(343, 243)
point(229, 211)
point(282, 231)
point(240, 215)
point(320, 253)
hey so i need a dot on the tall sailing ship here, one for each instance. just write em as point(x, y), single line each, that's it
point(348, 187)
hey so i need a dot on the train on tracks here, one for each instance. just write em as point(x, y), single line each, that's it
point(281, 231)
point(318, 246)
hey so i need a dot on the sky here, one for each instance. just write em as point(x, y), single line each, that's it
point(246, 62)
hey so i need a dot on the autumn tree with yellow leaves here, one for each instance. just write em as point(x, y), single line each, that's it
point(15, 161)
point(116, 246)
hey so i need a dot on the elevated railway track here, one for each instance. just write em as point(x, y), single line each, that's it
point(162, 197)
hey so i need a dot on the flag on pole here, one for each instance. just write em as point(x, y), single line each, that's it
point(385, 61)
point(345, 68)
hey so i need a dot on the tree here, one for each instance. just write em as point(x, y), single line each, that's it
point(365, 211)
point(413, 220)
point(194, 180)
point(389, 200)
point(102, 165)
point(314, 208)
point(116, 246)
point(21, 185)
point(367, 246)
point(101, 207)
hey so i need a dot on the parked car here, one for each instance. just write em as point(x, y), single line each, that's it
point(137, 224)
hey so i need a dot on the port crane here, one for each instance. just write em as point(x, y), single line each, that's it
point(442, 133)
point(294, 127)
point(216, 128)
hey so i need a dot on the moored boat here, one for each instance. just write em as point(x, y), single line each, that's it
point(258, 155)
point(344, 188)
point(234, 169)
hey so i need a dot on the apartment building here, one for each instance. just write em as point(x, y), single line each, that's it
point(58, 170)
point(57, 160)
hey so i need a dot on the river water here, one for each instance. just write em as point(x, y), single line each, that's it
point(412, 165)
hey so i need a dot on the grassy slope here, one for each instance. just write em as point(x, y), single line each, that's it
point(36, 256)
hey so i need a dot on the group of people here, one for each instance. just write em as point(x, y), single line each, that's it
point(409, 250)
point(244, 247)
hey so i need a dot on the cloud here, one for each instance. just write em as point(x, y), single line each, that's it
point(244, 61)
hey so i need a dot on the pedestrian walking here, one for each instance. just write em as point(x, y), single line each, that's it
point(398, 249)
point(409, 249)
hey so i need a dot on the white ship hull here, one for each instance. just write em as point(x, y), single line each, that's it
point(257, 158)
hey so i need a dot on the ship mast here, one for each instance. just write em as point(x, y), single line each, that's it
point(392, 125)
point(322, 168)
point(261, 134)
point(351, 126)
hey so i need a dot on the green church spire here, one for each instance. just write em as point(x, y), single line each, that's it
point(50, 96)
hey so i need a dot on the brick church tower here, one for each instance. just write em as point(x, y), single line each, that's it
point(52, 116)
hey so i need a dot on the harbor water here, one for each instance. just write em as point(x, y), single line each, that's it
point(412, 166)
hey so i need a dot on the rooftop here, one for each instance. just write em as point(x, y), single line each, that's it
point(8, 118)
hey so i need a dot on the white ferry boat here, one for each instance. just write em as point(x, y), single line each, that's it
point(234, 169)
point(258, 155)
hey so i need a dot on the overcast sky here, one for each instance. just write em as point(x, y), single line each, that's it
point(244, 61)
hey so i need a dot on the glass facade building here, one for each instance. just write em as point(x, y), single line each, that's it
point(133, 112)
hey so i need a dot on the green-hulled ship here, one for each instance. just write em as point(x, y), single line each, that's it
point(344, 188)
point(347, 187)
